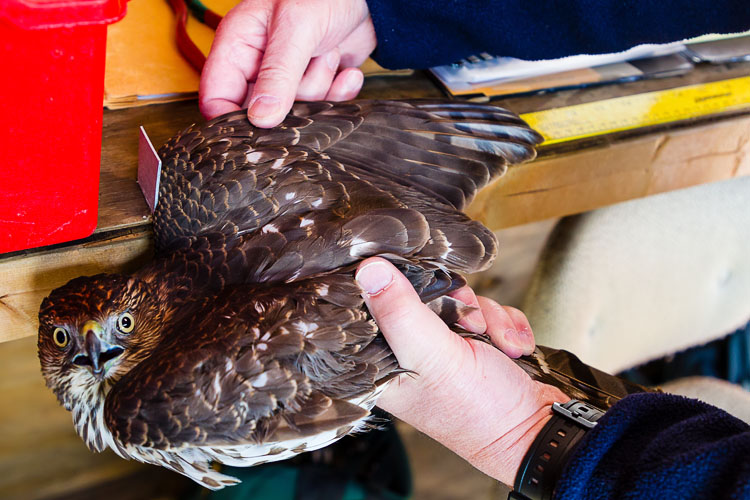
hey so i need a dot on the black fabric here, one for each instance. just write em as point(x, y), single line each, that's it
point(424, 33)
point(376, 461)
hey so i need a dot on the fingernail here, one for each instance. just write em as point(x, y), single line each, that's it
point(332, 60)
point(528, 341)
point(513, 338)
point(353, 81)
point(374, 278)
point(476, 320)
point(263, 106)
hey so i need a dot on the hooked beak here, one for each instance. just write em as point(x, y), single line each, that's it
point(96, 351)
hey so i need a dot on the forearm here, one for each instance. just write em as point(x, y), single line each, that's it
point(646, 446)
point(502, 458)
point(423, 33)
point(484, 431)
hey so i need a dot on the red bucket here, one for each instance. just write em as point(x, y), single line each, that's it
point(51, 111)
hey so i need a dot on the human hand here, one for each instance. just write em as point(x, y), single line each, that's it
point(466, 394)
point(266, 52)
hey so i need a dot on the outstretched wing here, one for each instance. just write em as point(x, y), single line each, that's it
point(334, 183)
point(264, 367)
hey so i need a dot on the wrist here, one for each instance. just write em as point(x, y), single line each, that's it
point(502, 458)
point(551, 450)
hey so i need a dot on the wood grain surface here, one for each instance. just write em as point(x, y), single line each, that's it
point(567, 178)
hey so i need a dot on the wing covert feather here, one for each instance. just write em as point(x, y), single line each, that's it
point(298, 352)
point(333, 184)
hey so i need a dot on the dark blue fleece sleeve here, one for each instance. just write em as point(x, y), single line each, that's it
point(424, 33)
point(658, 446)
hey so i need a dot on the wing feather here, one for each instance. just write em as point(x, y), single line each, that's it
point(335, 182)
point(289, 362)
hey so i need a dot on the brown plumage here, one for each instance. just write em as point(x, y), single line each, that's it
point(245, 340)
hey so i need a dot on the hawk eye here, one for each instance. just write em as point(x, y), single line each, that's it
point(125, 323)
point(61, 338)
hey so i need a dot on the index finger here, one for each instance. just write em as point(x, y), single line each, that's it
point(231, 64)
point(508, 328)
point(292, 41)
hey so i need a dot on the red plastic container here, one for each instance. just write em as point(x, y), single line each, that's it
point(51, 96)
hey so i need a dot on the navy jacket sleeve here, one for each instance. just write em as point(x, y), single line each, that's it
point(657, 446)
point(424, 33)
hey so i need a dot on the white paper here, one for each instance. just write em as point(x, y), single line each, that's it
point(508, 68)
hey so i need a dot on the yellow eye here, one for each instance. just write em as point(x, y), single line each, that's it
point(61, 338)
point(126, 322)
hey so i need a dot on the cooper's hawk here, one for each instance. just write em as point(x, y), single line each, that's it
point(246, 340)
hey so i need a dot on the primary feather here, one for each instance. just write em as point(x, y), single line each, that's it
point(246, 340)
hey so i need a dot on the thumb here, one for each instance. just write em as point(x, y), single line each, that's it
point(291, 43)
point(407, 324)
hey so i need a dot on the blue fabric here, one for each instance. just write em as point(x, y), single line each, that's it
point(648, 445)
point(424, 33)
point(727, 358)
point(738, 357)
point(659, 446)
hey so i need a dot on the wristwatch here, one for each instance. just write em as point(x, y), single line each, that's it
point(550, 451)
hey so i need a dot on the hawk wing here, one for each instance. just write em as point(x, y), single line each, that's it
point(334, 183)
point(297, 207)
point(292, 362)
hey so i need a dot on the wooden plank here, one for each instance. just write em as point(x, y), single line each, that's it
point(43, 458)
point(26, 279)
point(578, 181)
point(121, 202)
point(566, 179)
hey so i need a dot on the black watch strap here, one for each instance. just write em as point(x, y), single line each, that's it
point(550, 451)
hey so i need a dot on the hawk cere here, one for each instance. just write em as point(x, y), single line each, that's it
point(246, 340)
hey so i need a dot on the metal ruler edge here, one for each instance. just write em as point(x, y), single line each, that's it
point(590, 119)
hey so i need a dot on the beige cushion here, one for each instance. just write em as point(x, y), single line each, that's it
point(721, 393)
point(639, 280)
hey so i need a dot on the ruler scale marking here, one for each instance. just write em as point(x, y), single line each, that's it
point(640, 110)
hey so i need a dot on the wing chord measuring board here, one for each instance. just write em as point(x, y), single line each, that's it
point(640, 110)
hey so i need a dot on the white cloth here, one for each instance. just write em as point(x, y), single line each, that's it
point(646, 278)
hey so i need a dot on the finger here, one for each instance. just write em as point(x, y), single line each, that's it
point(474, 321)
point(358, 45)
point(521, 323)
point(231, 63)
point(250, 87)
point(502, 329)
point(407, 324)
point(223, 84)
point(347, 85)
point(317, 80)
point(290, 47)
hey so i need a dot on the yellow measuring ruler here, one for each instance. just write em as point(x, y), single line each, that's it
point(640, 110)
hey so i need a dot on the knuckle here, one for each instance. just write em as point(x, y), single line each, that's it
point(274, 73)
point(513, 311)
point(392, 317)
point(291, 11)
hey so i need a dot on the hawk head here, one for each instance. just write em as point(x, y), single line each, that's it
point(92, 331)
